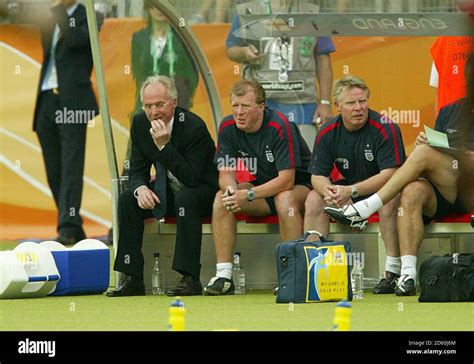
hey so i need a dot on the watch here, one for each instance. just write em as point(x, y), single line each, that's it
point(354, 192)
point(250, 194)
point(325, 102)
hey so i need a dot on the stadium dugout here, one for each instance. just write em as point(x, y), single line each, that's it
point(257, 237)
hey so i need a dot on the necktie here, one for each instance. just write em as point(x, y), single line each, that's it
point(160, 190)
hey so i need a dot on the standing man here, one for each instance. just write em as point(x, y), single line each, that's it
point(177, 143)
point(447, 72)
point(271, 148)
point(365, 150)
point(295, 72)
point(65, 89)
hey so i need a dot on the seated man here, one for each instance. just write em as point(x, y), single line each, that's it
point(272, 149)
point(181, 149)
point(429, 184)
point(296, 71)
point(365, 150)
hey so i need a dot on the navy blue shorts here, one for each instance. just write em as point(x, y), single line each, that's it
point(443, 207)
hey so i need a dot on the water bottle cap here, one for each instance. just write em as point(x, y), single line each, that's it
point(344, 304)
point(177, 303)
point(156, 255)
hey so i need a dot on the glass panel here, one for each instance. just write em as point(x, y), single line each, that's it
point(135, 47)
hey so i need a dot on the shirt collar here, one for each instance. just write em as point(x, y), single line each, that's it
point(72, 9)
point(170, 126)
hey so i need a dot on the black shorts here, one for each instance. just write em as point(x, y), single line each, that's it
point(271, 204)
point(443, 207)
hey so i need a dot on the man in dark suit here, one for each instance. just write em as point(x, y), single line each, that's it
point(181, 149)
point(64, 106)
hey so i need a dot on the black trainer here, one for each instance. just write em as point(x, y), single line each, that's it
point(347, 215)
point(218, 286)
point(387, 284)
point(405, 286)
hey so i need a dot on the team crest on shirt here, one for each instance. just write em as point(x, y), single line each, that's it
point(269, 155)
point(369, 155)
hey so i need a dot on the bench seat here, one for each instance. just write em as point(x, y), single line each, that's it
point(453, 224)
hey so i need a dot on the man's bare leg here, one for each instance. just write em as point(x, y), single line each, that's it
point(290, 208)
point(314, 217)
point(393, 264)
point(224, 231)
point(388, 228)
point(424, 161)
point(224, 225)
point(417, 199)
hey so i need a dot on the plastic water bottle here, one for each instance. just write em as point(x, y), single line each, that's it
point(357, 281)
point(177, 316)
point(157, 277)
point(342, 318)
point(238, 275)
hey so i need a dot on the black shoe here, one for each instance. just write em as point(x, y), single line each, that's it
point(69, 239)
point(387, 284)
point(348, 216)
point(128, 287)
point(405, 286)
point(188, 286)
point(219, 286)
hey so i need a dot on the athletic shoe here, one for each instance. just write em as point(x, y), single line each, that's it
point(218, 286)
point(405, 286)
point(387, 284)
point(347, 215)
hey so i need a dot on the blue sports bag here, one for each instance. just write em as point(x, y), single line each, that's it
point(313, 271)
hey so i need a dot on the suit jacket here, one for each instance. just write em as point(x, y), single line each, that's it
point(73, 59)
point(189, 154)
point(186, 73)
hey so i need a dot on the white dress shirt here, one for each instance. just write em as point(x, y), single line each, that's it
point(50, 80)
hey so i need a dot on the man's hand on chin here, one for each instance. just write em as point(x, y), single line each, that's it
point(159, 133)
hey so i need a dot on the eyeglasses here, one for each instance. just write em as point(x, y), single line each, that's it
point(158, 106)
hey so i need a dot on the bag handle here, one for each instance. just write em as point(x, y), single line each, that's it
point(312, 232)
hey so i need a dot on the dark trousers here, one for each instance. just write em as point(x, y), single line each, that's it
point(63, 146)
point(188, 205)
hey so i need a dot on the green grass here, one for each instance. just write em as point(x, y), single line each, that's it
point(252, 311)
point(8, 244)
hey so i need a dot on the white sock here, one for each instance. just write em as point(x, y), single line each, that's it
point(368, 206)
point(224, 270)
point(409, 265)
point(393, 264)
